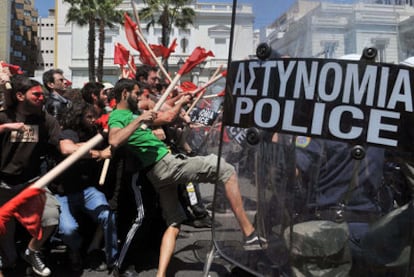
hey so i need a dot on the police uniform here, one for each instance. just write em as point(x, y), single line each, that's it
point(341, 188)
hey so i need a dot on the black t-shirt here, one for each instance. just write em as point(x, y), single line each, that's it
point(83, 173)
point(21, 152)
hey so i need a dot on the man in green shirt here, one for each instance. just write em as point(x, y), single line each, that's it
point(166, 171)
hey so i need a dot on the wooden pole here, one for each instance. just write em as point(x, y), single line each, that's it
point(215, 77)
point(66, 163)
point(141, 37)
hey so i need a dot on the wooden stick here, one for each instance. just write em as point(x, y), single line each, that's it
point(213, 77)
point(66, 163)
point(141, 37)
point(211, 96)
point(164, 97)
point(104, 171)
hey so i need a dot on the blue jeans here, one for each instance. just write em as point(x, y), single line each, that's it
point(93, 203)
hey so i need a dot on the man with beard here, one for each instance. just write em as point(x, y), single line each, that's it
point(166, 171)
point(94, 93)
point(54, 82)
point(76, 188)
point(26, 134)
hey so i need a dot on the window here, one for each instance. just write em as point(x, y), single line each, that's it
point(328, 48)
point(220, 41)
point(184, 45)
point(381, 45)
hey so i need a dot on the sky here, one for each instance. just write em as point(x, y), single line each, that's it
point(265, 10)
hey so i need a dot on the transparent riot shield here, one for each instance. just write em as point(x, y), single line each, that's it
point(317, 122)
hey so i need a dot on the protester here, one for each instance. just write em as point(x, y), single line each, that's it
point(26, 134)
point(54, 82)
point(76, 187)
point(149, 75)
point(166, 171)
point(94, 93)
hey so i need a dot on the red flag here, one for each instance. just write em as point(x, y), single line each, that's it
point(188, 86)
point(199, 55)
point(132, 68)
point(130, 28)
point(145, 56)
point(121, 54)
point(132, 37)
point(162, 51)
point(172, 47)
point(27, 207)
point(14, 69)
point(159, 50)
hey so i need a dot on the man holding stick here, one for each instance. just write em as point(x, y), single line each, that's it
point(26, 134)
point(166, 171)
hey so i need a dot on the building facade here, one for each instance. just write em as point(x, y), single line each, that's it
point(211, 30)
point(47, 42)
point(18, 29)
point(330, 30)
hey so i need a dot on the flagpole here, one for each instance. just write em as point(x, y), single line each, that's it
point(141, 37)
point(203, 91)
point(163, 97)
point(66, 163)
point(211, 96)
point(8, 208)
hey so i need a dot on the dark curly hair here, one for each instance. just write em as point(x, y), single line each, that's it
point(74, 116)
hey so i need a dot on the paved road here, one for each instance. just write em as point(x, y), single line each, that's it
point(190, 253)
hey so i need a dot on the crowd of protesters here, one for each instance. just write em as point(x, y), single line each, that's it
point(42, 124)
point(88, 211)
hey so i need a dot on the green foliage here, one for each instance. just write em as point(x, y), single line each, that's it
point(93, 13)
point(166, 13)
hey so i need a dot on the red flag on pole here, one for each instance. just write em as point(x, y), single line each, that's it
point(188, 86)
point(159, 50)
point(162, 51)
point(199, 55)
point(121, 54)
point(130, 28)
point(27, 207)
point(172, 46)
point(130, 31)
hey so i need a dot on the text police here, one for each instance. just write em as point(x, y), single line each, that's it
point(346, 100)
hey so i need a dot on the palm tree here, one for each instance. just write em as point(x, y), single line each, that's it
point(94, 13)
point(107, 16)
point(82, 12)
point(166, 13)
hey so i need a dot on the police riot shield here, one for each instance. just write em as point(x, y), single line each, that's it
point(317, 122)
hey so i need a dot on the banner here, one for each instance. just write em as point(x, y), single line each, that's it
point(205, 116)
point(353, 101)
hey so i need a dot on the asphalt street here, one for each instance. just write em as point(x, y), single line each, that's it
point(191, 250)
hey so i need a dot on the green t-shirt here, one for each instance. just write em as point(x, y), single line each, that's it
point(148, 148)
